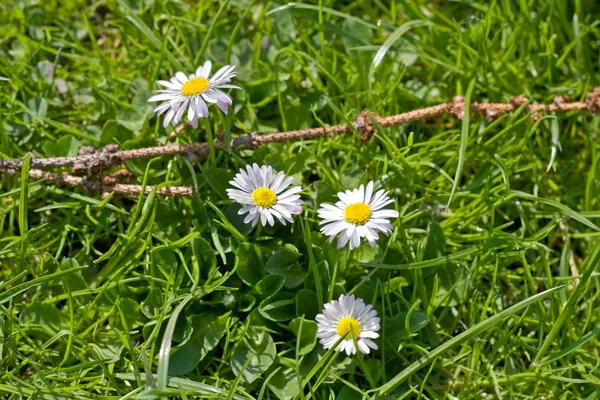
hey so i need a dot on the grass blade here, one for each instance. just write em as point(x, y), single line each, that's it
point(464, 140)
point(564, 209)
point(12, 292)
point(23, 200)
point(572, 347)
point(469, 333)
point(165, 347)
point(567, 311)
point(389, 42)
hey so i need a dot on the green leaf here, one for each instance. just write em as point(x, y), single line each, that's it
point(395, 328)
point(38, 107)
point(64, 147)
point(218, 179)
point(285, 262)
point(308, 336)
point(347, 393)
point(204, 256)
point(237, 220)
point(130, 310)
point(113, 132)
point(573, 346)
point(269, 285)
point(46, 316)
point(208, 330)
point(250, 263)
point(225, 222)
point(131, 120)
point(279, 307)
point(258, 350)
point(284, 384)
point(436, 242)
point(108, 346)
point(198, 388)
point(307, 304)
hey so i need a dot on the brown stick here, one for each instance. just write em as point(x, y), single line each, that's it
point(110, 156)
point(107, 185)
point(92, 162)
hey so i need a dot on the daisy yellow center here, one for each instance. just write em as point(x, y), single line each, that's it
point(264, 197)
point(194, 86)
point(348, 326)
point(357, 213)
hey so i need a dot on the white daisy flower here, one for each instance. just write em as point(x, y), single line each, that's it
point(348, 317)
point(357, 215)
point(193, 92)
point(263, 195)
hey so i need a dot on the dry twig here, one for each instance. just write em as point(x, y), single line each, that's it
point(108, 184)
point(88, 166)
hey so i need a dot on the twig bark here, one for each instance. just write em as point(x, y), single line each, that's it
point(91, 163)
point(107, 185)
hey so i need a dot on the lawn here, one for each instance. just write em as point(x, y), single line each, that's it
point(144, 277)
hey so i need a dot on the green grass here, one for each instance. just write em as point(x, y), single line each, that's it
point(487, 286)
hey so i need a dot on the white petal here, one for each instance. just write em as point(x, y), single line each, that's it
point(223, 107)
point(227, 86)
point(181, 77)
point(191, 114)
point(194, 121)
point(204, 71)
point(179, 114)
point(362, 346)
point(170, 85)
point(371, 344)
point(385, 214)
point(161, 97)
point(368, 192)
point(168, 118)
point(344, 198)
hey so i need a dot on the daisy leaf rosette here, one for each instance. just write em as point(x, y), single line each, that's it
point(193, 93)
point(358, 214)
point(265, 195)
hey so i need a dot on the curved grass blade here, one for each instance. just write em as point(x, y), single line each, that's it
point(567, 311)
point(225, 222)
point(165, 347)
point(202, 389)
point(209, 33)
point(12, 292)
point(425, 264)
point(298, 6)
point(469, 333)
point(464, 140)
point(23, 200)
point(564, 209)
point(572, 347)
point(389, 42)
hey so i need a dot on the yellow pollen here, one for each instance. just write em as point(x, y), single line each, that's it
point(264, 197)
point(357, 213)
point(194, 86)
point(348, 326)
